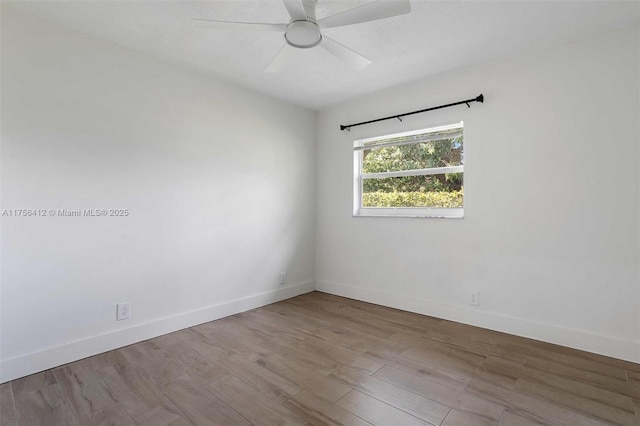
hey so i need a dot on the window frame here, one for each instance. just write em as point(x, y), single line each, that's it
point(413, 212)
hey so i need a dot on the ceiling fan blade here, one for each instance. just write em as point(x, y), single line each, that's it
point(353, 59)
point(284, 59)
point(310, 8)
point(369, 12)
point(229, 25)
point(296, 9)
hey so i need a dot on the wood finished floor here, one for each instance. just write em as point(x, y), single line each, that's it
point(320, 359)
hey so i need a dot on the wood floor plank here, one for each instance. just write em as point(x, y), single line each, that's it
point(325, 387)
point(301, 318)
point(270, 325)
point(407, 338)
point(225, 339)
point(156, 364)
point(114, 415)
point(416, 384)
point(459, 418)
point(586, 365)
point(328, 350)
point(574, 373)
point(529, 407)
point(318, 412)
point(358, 309)
point(562, 384)
point(162, 416)
point(445, 354)
point(133, 390)
point(475, 346)
point(196, 364)
point(563, 354)
point(505, 378)
point(472, 333)
point(199, 405)
point(377, 412)
point(288, 348)
point(306, 315)
point(390, 327)
point(596, 409)
point(232, 326)
point(479, 406)
point(172, 339)
point(266, 382)
point(428, 410)
point(252, 406)
point(83, 388)
point(45, 406)
point(366, 364)
point(422, 367)
point(455, 398)
point(355, 340)
point(436, 359)
point(342, 309)
point(636, 406)
point(8, 414)
point(360, 321)
point(106, 359)
point(27, 384)
point(510, 419)
point(206, 346)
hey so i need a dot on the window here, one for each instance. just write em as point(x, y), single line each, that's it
point(412, 174)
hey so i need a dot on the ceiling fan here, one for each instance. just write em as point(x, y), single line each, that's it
point(303, 30)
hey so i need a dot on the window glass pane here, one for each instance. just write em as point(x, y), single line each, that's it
point(441, 153)
point(410, 153)
point(444, 190)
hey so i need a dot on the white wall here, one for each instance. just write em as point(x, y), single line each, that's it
point(219, 182)
point(551, 229)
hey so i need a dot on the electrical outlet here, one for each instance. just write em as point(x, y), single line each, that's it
point(123, 311)
point(474, 298)
point(283, 278)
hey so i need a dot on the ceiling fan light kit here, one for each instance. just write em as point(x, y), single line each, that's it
point(304, 32)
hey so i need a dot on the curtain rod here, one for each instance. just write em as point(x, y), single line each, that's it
point(479, 98)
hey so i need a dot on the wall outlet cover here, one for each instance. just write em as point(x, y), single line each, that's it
point(123, 311)
point(474, 298)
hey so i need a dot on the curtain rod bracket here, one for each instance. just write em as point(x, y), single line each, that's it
point(479, 98)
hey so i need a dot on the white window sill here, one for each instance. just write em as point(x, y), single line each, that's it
point(411, 212)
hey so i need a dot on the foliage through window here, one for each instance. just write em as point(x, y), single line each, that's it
point(416, 173)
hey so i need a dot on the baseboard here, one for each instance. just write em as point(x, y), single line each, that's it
point(627, 350)
point(24, 365)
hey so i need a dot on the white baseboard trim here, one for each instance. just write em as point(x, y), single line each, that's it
point(24, 365)
point(627, 350)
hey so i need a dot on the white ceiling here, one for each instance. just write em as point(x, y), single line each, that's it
point(437, 36)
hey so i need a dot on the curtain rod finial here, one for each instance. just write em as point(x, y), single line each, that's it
point(480, 98)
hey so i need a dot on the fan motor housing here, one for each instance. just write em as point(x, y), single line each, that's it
point(303, 34)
